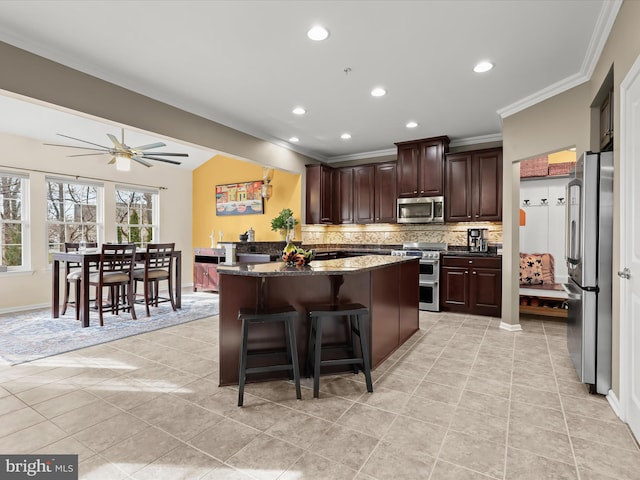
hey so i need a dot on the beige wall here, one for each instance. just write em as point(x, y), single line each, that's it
point(562, 121)
point(19, 290)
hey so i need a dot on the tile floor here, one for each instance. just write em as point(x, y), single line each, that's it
point(461, 400)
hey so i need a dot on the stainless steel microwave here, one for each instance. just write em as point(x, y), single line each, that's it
point(421, 210)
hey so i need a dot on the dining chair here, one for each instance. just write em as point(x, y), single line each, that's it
point(158, 266)
point(117, 262)
point(73, 274)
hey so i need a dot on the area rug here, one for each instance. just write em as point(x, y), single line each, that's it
point(27, 336)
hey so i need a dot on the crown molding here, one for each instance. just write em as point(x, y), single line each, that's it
point(601, 32)
point(462, 142)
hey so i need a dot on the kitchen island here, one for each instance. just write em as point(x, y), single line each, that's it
point(387, 285)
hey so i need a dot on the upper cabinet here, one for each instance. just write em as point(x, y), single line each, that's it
point(420, 169)
point(367, 193)
point(385, 192)
point(473, 190)
point(319, 196)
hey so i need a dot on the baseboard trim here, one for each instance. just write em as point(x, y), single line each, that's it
point(615, 404)
point(510, 327)
point(24, 308)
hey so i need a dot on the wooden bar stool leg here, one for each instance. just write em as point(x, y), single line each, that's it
point(242, 378)
point(318, 357)
point(294, 355)
point(365, 352)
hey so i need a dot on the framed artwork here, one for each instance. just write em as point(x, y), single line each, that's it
point(239, 199)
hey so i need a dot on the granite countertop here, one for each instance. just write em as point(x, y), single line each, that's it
point(465, 253)
point(318, 267)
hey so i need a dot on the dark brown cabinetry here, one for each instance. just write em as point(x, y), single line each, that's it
point(385, 192)
point(473, 189)
point(319, 195)
point(421, 167)
point(471, 285)
point(205, 268)
point(366, 193)
point(345, 195)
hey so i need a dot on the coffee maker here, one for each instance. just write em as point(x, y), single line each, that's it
point(478, 239)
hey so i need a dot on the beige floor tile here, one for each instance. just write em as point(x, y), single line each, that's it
point(415, 438)
point(480, 402)
point(368, 420)
point(265, 457)
point(258, 413)
point(85, 416)
point(342, 387)
point(68, 446)
point(10, 403)
point(447, 471)
point(386, 399)
point(533, 396)
point(139, 450)
point(18, 420)
point(344, 446)
point(531, 380)
point(524, 465)
point(488, 386)
point(113, 430)
point(474, 453)
point(607, 460)
point(594, 406)
point(396, 381)
point(525, 414)
point(314, 467)
point(177, 417)
point(546, 443)
point(299, 429)
point(480, 424)
point(452, 379)
point(386, 463)
point(98, 468)
point(224, 439)
point(32, 438)
point(429, 410)
point(64, 403)
point(327, 408)
point(441, 393)
point(614, 434)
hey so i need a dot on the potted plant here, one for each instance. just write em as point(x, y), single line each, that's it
point(284, 222)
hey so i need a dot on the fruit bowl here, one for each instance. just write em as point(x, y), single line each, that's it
point(293, 256)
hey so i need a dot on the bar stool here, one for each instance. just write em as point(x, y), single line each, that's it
point(355, 314)
point(287, 315)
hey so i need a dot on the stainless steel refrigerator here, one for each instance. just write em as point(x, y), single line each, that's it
point(589, 261)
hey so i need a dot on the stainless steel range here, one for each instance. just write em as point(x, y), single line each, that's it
point(429, 278)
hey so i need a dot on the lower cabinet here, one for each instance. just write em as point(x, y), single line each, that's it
point(205, 269)
point(471, 285)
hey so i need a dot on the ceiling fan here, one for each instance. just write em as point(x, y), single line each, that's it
point(122, 153)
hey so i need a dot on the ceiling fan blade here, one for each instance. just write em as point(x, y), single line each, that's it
point(83, 141)
point(106, 150)
point(151, 145)
point(141, 161)
point(112, 161)
point(173, 162)
point(115, 141)
point(87, 154)
point(166, 154)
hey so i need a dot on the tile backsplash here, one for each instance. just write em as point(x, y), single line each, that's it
point(394, 234)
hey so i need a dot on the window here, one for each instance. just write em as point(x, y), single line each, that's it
point(74, 213)
point(136, 216)
point(14, 217)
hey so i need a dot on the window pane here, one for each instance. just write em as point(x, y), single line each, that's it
point(11, 246)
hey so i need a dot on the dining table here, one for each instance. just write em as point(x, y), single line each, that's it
point(86, 259)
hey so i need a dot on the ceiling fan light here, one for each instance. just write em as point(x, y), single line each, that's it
point(123, 163)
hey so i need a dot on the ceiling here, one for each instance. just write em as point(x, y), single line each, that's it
point(247, 64)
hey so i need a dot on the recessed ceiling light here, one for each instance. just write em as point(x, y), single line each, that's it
point(483, 67)
point(294, 139)
point(378, 92)
point(299, 111)
point(412, 124)
point(345, 136)
point(318, 33)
